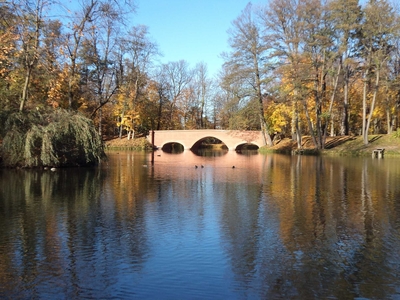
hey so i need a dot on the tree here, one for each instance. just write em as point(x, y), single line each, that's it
point(284, 26)
point(134, 58)
point(233, 104)
point(57, 138)
point(392, 88)
point(98, 60)
point(9, 97)
point(177, 76)
point(93, 15)
point(247, 63)
point(158, 102)
point(346, 17)
point(201, 87)
point(376, 38)
point(320, 53)
point(29, 27)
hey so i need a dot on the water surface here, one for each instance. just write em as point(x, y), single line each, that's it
point(272, 227)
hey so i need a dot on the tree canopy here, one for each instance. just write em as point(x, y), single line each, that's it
point(294, 68)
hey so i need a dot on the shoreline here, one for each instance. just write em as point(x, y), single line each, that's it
point(339, 145)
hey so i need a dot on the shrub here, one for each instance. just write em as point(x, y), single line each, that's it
point(58, 138)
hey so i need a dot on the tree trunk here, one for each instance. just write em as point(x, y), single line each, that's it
point(263, 123)
point(30, 62)
point(71, 83)
point(296, 132)
point(159, 114)
point(372, 107)
point(364, 114)
point(120, 126)
point(25, 88)
point(310, 125)
point(344, 128)
point(388, 121)
point(100, 122)
point(333, 96)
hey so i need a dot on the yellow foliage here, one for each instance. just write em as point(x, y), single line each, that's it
point(56, 95)
point(129, 121)
point(7, 46)
point(278, 116)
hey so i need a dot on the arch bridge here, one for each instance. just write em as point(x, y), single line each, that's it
point(191, 139)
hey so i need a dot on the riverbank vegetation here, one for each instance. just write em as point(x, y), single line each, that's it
point(341, 145)
point(50, 139)
point(117, 143)
point(307, 71)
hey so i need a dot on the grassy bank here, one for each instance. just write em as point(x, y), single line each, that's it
point(124, 143)
point(342, 145)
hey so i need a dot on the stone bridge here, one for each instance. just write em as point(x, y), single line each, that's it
point(190, 139)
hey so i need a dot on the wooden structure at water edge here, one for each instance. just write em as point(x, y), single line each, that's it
point(378, 153)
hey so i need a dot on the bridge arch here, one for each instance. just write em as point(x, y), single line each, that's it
point(197, 144)
point(246, 146)
point(173, 147)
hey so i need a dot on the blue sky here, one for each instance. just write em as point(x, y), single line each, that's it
point(192, 30)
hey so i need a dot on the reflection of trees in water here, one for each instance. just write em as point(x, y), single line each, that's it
point(240, 225)
point(65, 225)
point(325, 228)
point(299, 227)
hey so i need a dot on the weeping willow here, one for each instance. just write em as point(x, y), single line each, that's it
point(3, 117)
point(55, 139)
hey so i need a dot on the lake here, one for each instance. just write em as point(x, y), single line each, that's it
point(219, 226)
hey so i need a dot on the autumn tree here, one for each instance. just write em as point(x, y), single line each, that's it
point(345, 16)
point(28, 27)
point(247, 61)
point(30, 46)
point(283, 27)
point(376, 39)
point(135, 54)
point(90, 18)
point(9, 97)
point(98, 61)
point(320, 53)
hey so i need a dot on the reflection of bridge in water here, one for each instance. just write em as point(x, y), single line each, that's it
point(191, 139)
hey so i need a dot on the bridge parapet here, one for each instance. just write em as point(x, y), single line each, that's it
point(188, 138)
